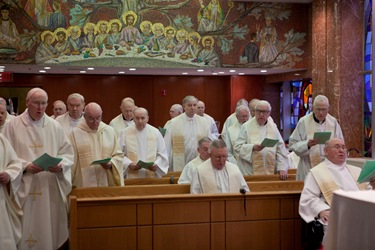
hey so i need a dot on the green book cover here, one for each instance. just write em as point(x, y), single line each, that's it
point(145, 165)
point(267, 142)
point(368, 171)
point(322, 137)
point(105, 160)
point(162, 131)
point(45, 161)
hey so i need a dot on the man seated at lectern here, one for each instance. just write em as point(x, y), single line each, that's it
point(331, 174)
point(217, 175)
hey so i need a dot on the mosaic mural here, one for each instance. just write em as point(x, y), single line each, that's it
point(154, 33)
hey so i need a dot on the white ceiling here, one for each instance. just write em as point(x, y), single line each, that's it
point(35, 69)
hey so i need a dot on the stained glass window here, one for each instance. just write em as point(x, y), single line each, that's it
point(367, 79)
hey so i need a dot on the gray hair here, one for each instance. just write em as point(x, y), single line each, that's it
point(75, 96)
point(264, 103)
point(241, 102)
point(322, 99)
point(242, 107)
point(177, 107)
point(218, 143)
point(189, 98)
point(203, 140)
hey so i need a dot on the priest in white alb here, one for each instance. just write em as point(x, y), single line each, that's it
point(242, 116)
point(42, 194)
point(203, 155)
point(217, 175)
point(302, 139)
point(93, 140)
point(125, 119)
point(231, 119)
point(69, 120)
point(175, 110)
point(181, 139)
point(143, 142)
point(10, 179)
point(331, 174)
point(255, 159)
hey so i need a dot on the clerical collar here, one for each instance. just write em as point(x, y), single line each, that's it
point(125, 119)
point(4, 19)
point(317, 121)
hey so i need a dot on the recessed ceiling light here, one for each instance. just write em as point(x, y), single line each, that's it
point(232, 70)
point(296, 74)
point(132, 69)
point(263, 71)
point(121, 72)
point(185, 73)
point(330, 71)
point(47, 67)
point(90, 68)
point(241, 74)
point(214, 73)
point(2, 67)
point(200, 70)
point(82, 72)
point(42, 71)
point(221, 72)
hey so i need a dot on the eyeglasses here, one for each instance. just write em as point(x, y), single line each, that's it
point(262, 111)
point(324, 110)
point(337, 147)
point(39, 104)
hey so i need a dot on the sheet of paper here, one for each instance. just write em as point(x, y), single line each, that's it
point(322, 137)
point(105, 160)
point(368, 171)
point(267, 142)
point(45, 161)
point(162, 131)
point(143, 164)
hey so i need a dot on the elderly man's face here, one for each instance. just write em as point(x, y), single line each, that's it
point(140, 119)
point(200, 108)
point(336, 151)
point(242, 116)
point(190, 108)
point(37, 105)
point(75, 108)
point(173, 113)
point(218, 157)
point(127, 110)
point(3, 114)
point(59, 109)
point(93, 119)
point(320, 110)
point(204, 150)
point(262, 113)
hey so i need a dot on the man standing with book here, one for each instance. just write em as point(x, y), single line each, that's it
point(302, 140)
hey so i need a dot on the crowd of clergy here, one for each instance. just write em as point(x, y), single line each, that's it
point(94, 154)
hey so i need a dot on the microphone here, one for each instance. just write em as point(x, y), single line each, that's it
point(243, 191)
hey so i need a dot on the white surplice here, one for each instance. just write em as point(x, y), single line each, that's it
point(10, 226)
point(187, 172)
point(68, 123)
point(207, 179)
point(148, 146)
point(300, 137)
point(42, 196)
point(90, 145)
point(119, 123)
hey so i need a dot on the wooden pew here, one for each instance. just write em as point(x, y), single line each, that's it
point(174, 180)
point(164, 217)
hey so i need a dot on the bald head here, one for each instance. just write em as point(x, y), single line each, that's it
point(93, 115)
point(127, 108)
point(3, 101)
point(36, 103)
point(200, 108)
point(140, 118)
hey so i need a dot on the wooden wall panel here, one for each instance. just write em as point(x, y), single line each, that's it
point(144, 238)
point(155, 93)
point(287, 234)
point(107, 238)
point(194, 236)
point(265, 235)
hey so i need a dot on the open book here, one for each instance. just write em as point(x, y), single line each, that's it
point(322, 137)
point(267, 142)
point(101, 161)
point(45, 161)
point(145, 165)
point(368, 171)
